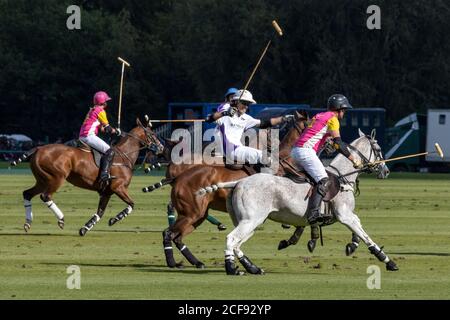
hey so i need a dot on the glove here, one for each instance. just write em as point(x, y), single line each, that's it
point(230, 112)
point(288, 117)
point(118, 132)
point(329, 147)
point(357, 164)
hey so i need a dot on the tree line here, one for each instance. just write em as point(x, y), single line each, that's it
point(193, 50)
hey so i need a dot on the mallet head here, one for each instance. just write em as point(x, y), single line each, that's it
point(277, 28)
point(123, 61)
point(439, 150)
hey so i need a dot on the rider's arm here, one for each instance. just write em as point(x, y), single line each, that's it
point(102, 118)
point(274, 121)
point(341, 146)
point(219, 114)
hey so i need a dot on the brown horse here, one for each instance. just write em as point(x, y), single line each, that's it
point(53, 164)
point(192, 210)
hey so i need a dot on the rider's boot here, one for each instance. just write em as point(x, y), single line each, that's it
point(313, 214)
point(105, 165)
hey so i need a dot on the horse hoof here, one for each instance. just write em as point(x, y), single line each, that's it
point(391, 266)
point(200, 265)
point(83, 231)
point(26, 227)
point(283, 245)
point(61, 224)
point(261, 272)
point(285, 226)
point(112, 222)
point(350, 248)
point(222, 227)
point(311, 245)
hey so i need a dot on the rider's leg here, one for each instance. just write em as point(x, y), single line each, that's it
point(249, 155)
point(216, 222)
point(105, 165)
point(314, 215)
point(308, 159)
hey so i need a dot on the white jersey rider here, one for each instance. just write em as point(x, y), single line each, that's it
point(232, 121)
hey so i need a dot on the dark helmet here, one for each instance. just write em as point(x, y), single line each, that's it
point(338, 102)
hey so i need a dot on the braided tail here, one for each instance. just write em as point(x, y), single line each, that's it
point(23, 157)
point(215, 187)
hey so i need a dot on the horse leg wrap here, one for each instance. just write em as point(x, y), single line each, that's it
point(188, 255)
point(170, 214)
point(28, 212)
point(315, 232)
point(250, 266)
point(168, 250)
point(230, 268)
point(54, 208)
point(92, 222)
point(124, 213)
point(377, 252)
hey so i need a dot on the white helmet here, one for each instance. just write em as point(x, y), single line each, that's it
point(246, 96)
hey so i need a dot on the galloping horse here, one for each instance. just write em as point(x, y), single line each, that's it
point(53, 164)
point(192, 210)
point(285, 201)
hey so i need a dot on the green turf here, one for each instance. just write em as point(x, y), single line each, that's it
point(409, 214)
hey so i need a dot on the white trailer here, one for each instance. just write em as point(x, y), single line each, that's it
point(438, 130)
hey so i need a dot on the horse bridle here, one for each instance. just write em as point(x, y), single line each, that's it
point(150, 142)
point(366, 161)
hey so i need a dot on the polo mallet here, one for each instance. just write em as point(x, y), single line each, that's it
point(436, 146)
point(280, 33)
point(124, 63)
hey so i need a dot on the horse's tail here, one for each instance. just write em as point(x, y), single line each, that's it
point(23, 157)
point(215, 187)
point(158, 185)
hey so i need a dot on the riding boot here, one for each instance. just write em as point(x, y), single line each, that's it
point(105, 165)
point(314, 215)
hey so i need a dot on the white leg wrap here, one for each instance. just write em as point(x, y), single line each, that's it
point(58, 213)
point(28, 212)
point(97, 218)
point(129, 209)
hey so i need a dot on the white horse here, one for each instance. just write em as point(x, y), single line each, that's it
point(262, 196)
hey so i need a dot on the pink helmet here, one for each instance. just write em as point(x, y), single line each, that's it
point(101, 97)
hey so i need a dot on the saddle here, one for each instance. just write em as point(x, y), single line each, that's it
point(334, 185)
point(77, 143)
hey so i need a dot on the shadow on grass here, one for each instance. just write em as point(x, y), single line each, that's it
point(439, 254)
point(35, 234)
point(143, 267)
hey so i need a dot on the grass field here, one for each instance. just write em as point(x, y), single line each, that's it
point(409, 214)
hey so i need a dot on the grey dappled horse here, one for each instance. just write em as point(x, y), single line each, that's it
point(263, 196)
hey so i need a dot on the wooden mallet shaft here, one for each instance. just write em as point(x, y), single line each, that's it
point(181, 120)
point(124, 63)
point(280, 33)
point(436, 146)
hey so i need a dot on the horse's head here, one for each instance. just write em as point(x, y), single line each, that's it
point(367, 149)
point(154, 156)
point(147, 137)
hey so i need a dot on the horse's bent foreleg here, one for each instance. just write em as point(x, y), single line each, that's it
point(104, 199)
point(122, 193)
point(293, 240)
point(352, 221)
point(47, 199)
point(351, 247)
